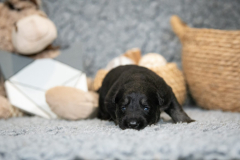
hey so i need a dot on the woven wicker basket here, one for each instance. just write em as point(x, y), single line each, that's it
point(211, 65)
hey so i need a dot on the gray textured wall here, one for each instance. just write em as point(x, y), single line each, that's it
point(106, 28)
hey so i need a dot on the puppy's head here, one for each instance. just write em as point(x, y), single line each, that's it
point(136, 105)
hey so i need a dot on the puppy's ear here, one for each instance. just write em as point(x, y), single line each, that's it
point(176, 112)
point(111, 99)
point(164, 100)
point(113, 95)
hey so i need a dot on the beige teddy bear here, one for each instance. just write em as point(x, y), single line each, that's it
point(26, 30)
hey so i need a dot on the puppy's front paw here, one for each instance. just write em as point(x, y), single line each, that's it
point(182, 117)
point(190, 121)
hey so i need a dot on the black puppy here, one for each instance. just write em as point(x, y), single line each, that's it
point(134, 97)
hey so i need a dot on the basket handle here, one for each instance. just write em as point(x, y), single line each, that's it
point(178, 26)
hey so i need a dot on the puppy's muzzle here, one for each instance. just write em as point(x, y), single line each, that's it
point(134, 122)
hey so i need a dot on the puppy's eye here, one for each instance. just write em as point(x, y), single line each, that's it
point(123, 109)
point(146, 108)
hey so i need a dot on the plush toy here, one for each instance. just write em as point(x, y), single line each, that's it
point(134, 54)
point(32, 34)
point(26, 30)
point(99, 78)
point(71, 103)
point(121, 60)
point(152, 61)
point(6, 109)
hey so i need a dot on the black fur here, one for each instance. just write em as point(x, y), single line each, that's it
point(134, 97)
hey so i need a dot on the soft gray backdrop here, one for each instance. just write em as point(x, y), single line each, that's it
point(107, 28)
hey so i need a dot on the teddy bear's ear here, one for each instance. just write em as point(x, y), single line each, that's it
point(134, 54)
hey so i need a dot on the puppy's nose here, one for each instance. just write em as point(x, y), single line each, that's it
point(133, 124)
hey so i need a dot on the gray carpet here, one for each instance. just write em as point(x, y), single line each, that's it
point(215, 135)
